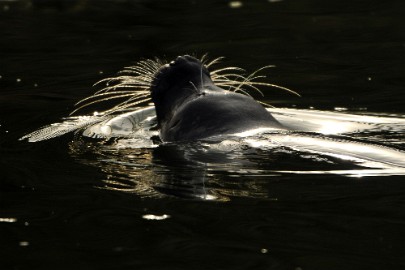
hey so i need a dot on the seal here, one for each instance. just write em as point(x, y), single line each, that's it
point(189, 106)
point(191, 99)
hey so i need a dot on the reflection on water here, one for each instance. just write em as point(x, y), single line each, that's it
point(186, 170)
point(289, 208)
point(243, 165)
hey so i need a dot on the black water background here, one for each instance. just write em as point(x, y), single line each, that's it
point(336, 54)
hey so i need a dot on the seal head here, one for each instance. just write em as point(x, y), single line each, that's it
point(189, 106)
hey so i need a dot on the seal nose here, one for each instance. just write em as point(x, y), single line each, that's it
point(178, 60)
point(182, 59)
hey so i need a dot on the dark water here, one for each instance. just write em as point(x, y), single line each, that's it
point(62, 207)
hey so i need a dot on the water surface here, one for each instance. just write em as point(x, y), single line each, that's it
point(182, 206)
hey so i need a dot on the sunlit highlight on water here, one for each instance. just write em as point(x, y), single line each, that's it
point(353, 173)
point(8, 220)
point(333, 127)
point(191, 170)
point(235, 4)
point(24, 244)
point(155, 217)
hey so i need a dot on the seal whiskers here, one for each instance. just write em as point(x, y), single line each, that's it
point(132, 87)
point(134, 83)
